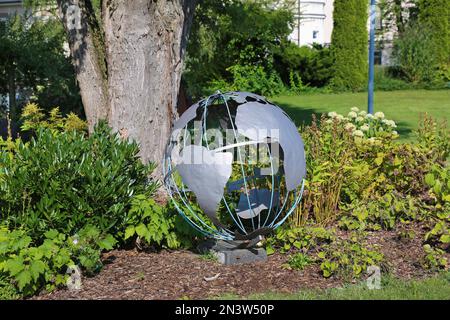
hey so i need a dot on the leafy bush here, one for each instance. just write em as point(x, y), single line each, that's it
point(361, 177)
point(312, 63)
point(434, 14)
point(34, 118)
point(30, 268)
point(153, 225)
point(381, 213)
point(386, 81)
point(298, 261)
point(298, 238)
point(250, 78)
point(7, 290)
point(347, 258)
point(414, 55)
point(228, 37)
point(67, 180)
point(434, 258)
point(434, 138)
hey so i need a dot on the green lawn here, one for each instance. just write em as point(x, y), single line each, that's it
point(436, 288)
point(404, 107)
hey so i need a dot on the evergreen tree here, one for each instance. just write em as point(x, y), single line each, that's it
point(435, 15)
point(350, 44)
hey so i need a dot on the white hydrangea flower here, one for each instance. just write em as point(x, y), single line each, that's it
point(395, 133)
point(372, 140)
point(355, 109)
point(369, 116)
point(364, 128)
point(379, 115)
point(340, 117)
point(332, 114)
point(359, 119)
point(362, 113)
point(349, 126)
point(329, 121)
point(391, 123)
point(381, 129)
point(358, 133)
point(352, 114)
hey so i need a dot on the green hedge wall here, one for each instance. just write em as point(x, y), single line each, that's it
point(435, 14)
point(350, 44)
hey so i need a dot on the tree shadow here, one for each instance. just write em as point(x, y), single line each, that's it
point(302, 116)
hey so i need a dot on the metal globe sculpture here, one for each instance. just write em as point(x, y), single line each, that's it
point(234, 166)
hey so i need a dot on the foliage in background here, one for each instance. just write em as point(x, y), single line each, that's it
point(34, 118)
point(33, 63)
point(435, 16)
point(313, 64)
point(397, 14)
point(386, 80)
point(414, 55)
point(349, 44)
point(234, 40)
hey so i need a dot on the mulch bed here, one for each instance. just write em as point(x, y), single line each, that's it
point(132, 274)
point(181, 274)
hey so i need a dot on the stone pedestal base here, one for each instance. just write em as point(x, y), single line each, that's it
point(228, 254)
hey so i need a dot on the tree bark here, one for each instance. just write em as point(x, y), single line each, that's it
point(86, 58)
point(129, 71)
point(146, 41)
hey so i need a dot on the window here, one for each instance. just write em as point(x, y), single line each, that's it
point(378, 57)
point(315, 33)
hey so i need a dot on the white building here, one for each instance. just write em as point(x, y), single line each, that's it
point(10, 7)
point(313, 23)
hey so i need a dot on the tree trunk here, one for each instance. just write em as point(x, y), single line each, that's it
point(145, 50)
point(86, 57)
point(129, 71)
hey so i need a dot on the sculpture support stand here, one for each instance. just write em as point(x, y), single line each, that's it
point(236, 252)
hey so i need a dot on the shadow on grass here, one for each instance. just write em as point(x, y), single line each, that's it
point(302, 116)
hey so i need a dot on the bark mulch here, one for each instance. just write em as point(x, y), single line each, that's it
point(132, 274)
point(181, 274)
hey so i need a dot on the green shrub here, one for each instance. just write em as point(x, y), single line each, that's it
point(298, 261)
point(435, 258)
point(380, 213)
point(385, 81)
point(250, 78)
point(298, 238)
point(34, 118)
point(312, 63)
point(234, 33)
point(434, 14)
point(67, 180)
point(7, 290)
point(347, 258)
point(153, 225)
point(415, 56)
point(434, 139)
point(31, 268)
point(349, 45)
